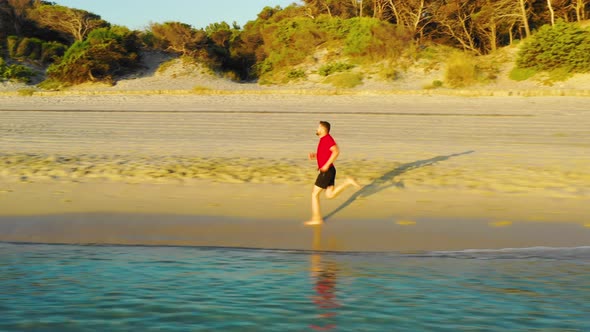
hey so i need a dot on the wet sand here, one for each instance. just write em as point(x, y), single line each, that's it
point(351, 235)
point(503, 163)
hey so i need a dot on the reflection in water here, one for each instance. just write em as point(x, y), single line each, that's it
point(323, 273)
point(113, 288)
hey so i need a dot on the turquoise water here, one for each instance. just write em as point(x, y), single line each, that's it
point(126, 288)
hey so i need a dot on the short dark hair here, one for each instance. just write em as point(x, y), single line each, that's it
point(326, 125)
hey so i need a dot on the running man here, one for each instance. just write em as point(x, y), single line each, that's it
point(326, 155)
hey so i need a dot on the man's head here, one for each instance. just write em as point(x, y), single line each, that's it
point(323, 129)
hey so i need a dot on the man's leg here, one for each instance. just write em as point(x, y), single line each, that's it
point(333, 192)
point(316, 215)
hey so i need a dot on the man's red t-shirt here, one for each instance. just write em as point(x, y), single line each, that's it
point(324, 153)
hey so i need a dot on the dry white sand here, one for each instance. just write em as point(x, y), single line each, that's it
point(499, 160)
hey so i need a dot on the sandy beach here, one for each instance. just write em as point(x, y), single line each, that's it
point(440, 172)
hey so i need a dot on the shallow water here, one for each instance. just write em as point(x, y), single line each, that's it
point(115, 288)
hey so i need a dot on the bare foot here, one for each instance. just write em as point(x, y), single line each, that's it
point(353, 182)
point(314, 222)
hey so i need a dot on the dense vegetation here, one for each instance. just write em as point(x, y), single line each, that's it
point(14, 72)
point(103, 54)
point(280, 44)
point(561, 48)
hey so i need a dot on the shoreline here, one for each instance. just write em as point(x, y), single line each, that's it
point(344, 235)
point(271, 217)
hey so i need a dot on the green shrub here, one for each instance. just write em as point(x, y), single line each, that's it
point(346, 80)
point(29, 48)
point(26, 92)
point(288, 43)
point(105, 53)
point(390, 73)
point(335, 28)
point(295, 74)
point(461, 71)
point(15, 72)
point(560, 74)
point(19, 73)
point(23, 48)
point(11, 45)
point(265, 66)
point(51, 85)
point(331, 68)
point(374, 39)
point(522, 74)
point(359, 36)
point(564, 45)
point(148, 39)
point(488, 69)
point(52, 51)
point(279, 45)
point(434, 85)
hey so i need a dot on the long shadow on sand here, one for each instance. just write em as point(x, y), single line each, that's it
point(386, 180)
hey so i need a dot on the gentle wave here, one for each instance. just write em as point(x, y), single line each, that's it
point(542, 252)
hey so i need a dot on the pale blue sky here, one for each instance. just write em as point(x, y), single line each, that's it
point(136, 14)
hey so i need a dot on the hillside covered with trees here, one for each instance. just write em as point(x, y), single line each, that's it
point(332, 39)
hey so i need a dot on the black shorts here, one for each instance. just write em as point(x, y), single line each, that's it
point(326, 179)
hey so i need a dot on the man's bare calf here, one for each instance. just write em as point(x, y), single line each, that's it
point(331, 193)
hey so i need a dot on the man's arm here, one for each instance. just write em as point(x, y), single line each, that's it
point(312, 156)
point(335, 152)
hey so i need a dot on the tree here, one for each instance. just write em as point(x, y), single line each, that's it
point(494, 18)
point(456, 20)
point(564, 9)
point(221, 33)
point(179, 37)
point(551, 12)
point(74, 23)
point(105, 53)
point(380, 10)
point(17, 13)
point(340, 8)
point(525, 16)
point(221, 37)
point(560, 46)
point(247, 49)
point(317, 7)
point(580, 8)
point(412, 14)
point(359, 4)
